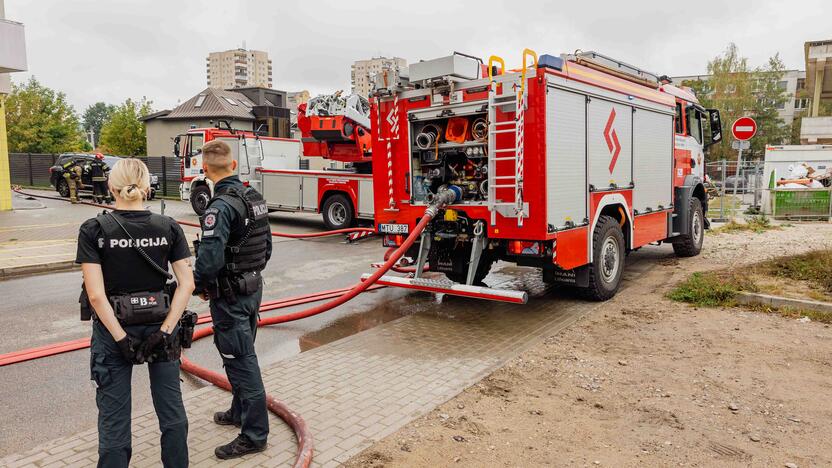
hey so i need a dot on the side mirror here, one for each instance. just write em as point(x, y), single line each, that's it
point(176, 150)
point(716, 126)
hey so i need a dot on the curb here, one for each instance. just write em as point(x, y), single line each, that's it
point(29, 270)
point(777, 301)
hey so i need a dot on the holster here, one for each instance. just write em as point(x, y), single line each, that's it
point(84, 303)
point(141, 308)
point(187, 324)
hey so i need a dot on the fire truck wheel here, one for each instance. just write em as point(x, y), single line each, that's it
point(608, 251)
point(63, 188)
point(690, 244)
point(337, 212)
point(200, 196)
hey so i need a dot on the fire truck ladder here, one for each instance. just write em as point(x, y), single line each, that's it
point(507, 93)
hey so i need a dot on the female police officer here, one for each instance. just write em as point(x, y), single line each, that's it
point(124, 256)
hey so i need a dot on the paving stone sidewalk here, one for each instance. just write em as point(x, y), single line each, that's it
point(356, 390)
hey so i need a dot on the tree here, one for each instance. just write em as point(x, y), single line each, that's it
point(94, 118)
point(39, 120)
point(124, 134)
point(736, 90)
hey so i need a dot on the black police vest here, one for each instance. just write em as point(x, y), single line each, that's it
point(125, 271)
point(248, 241)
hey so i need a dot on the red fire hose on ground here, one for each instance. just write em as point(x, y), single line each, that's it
point(339, 297)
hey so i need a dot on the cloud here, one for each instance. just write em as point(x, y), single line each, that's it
point(111, 50)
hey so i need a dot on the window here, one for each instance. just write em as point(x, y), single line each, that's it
point(730, 88)
point(230, 101)
point(694, 123)
point(195, 143)
point(801, 103)
point(200, 99)
point(679, 128)
point(782, 84)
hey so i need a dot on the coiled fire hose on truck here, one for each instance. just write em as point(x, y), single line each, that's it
point(294, 420)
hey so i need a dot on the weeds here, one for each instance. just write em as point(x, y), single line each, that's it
point(788, 312)
point(756, 224)
point(712, 288)
point(814, 267)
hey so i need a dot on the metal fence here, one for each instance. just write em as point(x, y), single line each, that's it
point(734, 190)
point(748, 191)
point(32, 169)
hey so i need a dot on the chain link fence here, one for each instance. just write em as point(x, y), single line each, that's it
point(746, 190)
point(32, 170)
point(734, 190)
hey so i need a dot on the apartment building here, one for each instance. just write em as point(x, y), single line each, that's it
point(296, 98)
point(362, 72)
point(238, 68)
point(792, 81)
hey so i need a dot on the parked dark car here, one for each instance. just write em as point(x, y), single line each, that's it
point(56, 173)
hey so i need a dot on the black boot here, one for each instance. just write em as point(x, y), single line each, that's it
point(237, 448)
point(224, 418)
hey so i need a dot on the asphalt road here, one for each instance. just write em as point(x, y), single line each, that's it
point(53, 397)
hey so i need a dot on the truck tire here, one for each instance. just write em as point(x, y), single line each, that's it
point(689, 245)
point(608, 252)
point(337, 212)
point(200, 196)
point(62, 187)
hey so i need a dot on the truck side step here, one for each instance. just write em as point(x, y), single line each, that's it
point(456, 289)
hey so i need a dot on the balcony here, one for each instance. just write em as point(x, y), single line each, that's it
point(816, 130)
point(12, 47)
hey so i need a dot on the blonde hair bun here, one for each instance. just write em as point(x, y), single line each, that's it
point(130, 179)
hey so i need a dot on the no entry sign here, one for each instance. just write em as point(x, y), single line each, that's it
point(744, 128)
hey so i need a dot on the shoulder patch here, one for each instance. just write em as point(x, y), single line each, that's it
point(209, 220)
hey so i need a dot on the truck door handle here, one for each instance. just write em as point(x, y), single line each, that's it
point(407, 183)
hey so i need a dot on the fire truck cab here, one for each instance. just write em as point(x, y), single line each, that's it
point(565, 164)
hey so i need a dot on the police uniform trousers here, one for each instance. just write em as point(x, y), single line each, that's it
point(235, 328)
point(112, 375)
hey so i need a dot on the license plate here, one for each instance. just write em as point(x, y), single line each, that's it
point(393, 228)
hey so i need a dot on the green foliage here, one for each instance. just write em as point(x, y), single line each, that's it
point(124, 134)
point(39, 120)
point(756, 224)
point(711, 289)
point(738, 90)
point(814, 267)
point(95, 116)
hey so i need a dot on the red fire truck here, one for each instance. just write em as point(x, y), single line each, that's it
point(566, 164)
point(272, 165)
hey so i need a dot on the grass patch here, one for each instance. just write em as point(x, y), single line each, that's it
point(712, 288)
point(788, 312)
point(813, 267)
point(756, 224)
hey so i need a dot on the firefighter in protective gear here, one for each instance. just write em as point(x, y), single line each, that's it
point(98, 171)
point(72, 176)
point(115, 272)
point(236, 244)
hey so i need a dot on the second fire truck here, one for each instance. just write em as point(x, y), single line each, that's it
point(333, 127)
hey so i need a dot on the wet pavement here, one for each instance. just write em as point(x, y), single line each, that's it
point(356, 373)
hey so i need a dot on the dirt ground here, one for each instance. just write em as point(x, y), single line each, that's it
point(643, 381)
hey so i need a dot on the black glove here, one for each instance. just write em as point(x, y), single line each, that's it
point(129, 347)
point(155, 345)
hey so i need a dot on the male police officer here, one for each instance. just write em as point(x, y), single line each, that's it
point(236, 244)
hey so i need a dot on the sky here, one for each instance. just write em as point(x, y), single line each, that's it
point(117, 49)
